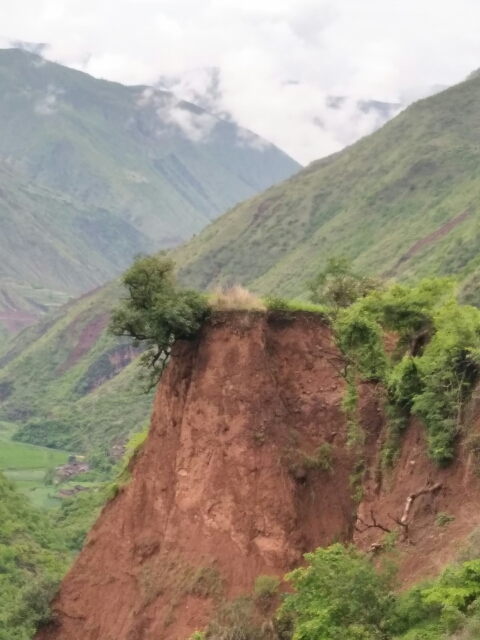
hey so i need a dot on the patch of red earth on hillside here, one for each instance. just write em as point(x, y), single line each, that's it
point(118, 358)
point(89, 335)
point(431, 238)
point(264, 207)
point(16, 320)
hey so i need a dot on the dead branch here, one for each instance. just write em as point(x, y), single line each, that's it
point(413, 496)
point(404, 529)
point(373, 525)
point(403, 522)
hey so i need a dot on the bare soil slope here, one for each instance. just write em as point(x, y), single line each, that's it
point(228, 485)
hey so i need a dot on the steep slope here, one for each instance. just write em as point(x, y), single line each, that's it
point(402, 202)
point(231, 484)
point(69, 383)
point(107, 171)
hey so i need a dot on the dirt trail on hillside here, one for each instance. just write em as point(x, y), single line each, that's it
point(227, 487)
point(430, 238)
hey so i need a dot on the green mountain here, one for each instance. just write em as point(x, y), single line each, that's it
point(69, 383)
point(403, 202)
point(93, 172)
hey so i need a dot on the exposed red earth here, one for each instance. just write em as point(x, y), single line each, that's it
point(225, 484)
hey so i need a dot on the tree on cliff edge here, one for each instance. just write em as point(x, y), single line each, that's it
point(157, 312)
point(338, 286)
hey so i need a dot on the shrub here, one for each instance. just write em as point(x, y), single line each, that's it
point(206, 582)
point(457, 589)
point(322, 459)
point(265, 590)
point(275, 303)
point(234, 621)
point(443, 519)
point(235, 298)
point(34, 602)
point(338, 285)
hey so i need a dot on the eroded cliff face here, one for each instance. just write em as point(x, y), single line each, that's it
point(230, 485)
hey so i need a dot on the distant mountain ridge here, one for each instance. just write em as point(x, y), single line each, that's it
point(93, 172)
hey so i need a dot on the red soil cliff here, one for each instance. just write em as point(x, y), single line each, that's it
point(228, 485)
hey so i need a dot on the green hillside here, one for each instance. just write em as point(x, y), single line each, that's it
point(93, 172)
point(69, 383)
point(403, 202)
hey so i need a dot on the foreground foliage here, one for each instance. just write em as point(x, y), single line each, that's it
point(432, 367)
point(33, 559)
point(340, 595)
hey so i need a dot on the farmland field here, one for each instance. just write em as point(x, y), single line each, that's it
point(26, 465)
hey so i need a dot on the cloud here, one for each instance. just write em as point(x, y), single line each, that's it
point(195, 126)
point(246, 138)
point(269, 65)
point(39, 48)
point(174, 113)
point(48, 103)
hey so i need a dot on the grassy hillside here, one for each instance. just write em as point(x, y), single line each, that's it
point(403, 202)
point(93, 172)
point(70, 384)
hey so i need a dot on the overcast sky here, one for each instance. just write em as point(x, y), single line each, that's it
point(277, 60)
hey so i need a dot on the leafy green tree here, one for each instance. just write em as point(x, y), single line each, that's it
point(338, 285)
point(157, 311)
point(339, 596)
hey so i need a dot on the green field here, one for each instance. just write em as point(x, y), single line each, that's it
point(26, 465)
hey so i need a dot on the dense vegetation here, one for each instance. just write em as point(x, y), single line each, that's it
point(33, 560)
point(37, 547)
point(434, 365)
point(341, 595)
